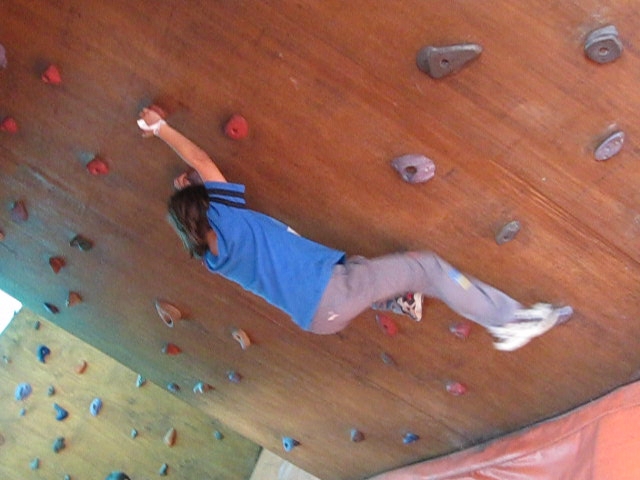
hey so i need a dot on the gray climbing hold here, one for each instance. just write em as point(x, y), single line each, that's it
point(603, 45)
point(414, 168)
point(610, 146)
point(438, 62)
point(289, 443)
point(507, 232)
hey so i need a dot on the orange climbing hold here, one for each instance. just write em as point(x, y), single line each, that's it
point(237, 127)
point(73, 298)
point(81, 367)
point(170, 437)
point(52, 75)
point(9, 125)
point(171, 349)
point(56, 263)
point(97, 166)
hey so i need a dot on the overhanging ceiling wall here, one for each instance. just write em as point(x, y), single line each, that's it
point(332, 94)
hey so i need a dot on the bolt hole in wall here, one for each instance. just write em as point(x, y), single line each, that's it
point(9, 306)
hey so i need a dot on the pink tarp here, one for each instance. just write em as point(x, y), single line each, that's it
point(598, 441)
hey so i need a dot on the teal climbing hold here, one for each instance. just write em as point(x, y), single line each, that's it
point(59, 444)
point(218, 435)
point(61, 413)
point(163, 469)
point(117, 476)
point(35, 464)
point(289, 443)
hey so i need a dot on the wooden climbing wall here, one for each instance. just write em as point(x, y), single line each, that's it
point(332, 94)
point(97, 445)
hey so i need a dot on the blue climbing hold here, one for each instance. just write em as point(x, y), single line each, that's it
point(23, 391)
point(23, 412)
point(58, 444)
point(61, 413)
point(289, 443)
point(163, 470)
point(35, 464)
point(95, 407)
point(42, 353)
point(410, 438)
point(173, 387)
point(218, 435)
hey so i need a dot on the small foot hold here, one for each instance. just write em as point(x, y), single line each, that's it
point(56, 264)
point(61, 413)
point(73, 298)
point(508, 232)
point(81, 242)
point(51, 308)
point(356, 435)
point(170, 437)
point(202, 387)
point(81, 367)
point(289, 443)
point(59, 444)
point(171, 349)
point(23, 390)
point(414, 168)
point(173, 387)
point(98, 166)
point(456, 388)
point(387, 325)
point(410, 438)
point(42, 353)
point(51, 75)
point(95, 407)
point(461, 330)
point(9, 125)
point(236, 127)
point(233, 376)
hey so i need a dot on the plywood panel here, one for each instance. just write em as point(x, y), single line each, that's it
point(332, 94)
point(97, 445)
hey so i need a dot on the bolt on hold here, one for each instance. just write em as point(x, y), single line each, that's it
point(603, 45)
point(508, 232)
point(438, 62)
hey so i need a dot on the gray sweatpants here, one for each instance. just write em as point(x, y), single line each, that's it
point(359, 282)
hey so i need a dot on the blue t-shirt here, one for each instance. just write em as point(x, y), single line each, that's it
point(266, 257)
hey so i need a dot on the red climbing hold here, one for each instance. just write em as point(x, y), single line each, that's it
point(387, 325)
point(171, 349)
point(98, 166)
point(9, 125)
point(461, 329)
point(56, 264)
point(19, 212)
point(456, 388)
point(52, 75)
point(237, 127)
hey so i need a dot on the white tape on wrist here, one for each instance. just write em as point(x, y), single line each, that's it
point(155, 127)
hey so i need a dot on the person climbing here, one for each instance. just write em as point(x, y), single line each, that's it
point(319, 287)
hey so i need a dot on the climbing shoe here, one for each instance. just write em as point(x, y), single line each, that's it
point(528, 324)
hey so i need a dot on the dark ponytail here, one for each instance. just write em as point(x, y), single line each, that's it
point(188, 216)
